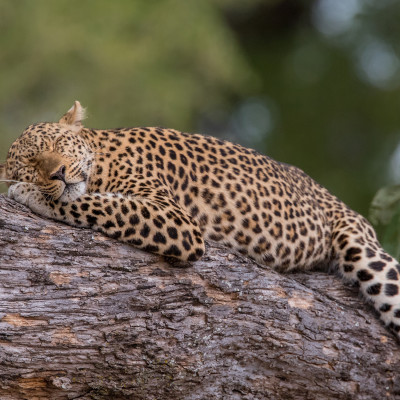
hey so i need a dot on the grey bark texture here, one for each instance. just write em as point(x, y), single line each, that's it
point(85, 317)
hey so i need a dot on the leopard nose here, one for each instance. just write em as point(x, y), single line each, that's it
point(59, 174)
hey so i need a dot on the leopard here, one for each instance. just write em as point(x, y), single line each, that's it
point(168, 192)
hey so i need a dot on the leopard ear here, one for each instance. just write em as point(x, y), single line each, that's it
point(74, 116)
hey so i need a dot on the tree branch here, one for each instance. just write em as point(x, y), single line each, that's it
point(83, 316)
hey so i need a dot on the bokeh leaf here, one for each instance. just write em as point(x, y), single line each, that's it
point(385, 216)
point(384, 205)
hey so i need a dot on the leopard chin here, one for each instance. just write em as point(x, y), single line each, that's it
point(72, 191)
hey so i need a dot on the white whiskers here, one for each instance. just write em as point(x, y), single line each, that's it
point(11, 180)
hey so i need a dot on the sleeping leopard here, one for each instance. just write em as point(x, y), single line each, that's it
point(166, 192)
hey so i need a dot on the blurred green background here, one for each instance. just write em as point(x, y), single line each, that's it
point(311, 83)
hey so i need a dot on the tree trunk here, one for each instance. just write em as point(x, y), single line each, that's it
point(83, 316)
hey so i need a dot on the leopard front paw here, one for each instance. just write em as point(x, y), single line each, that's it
point(29, 195)
point(21, 192)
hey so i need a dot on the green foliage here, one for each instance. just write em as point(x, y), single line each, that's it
point(129, 62)
point(276, 75)
point(385, 216)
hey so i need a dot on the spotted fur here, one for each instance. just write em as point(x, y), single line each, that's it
point(166, 191)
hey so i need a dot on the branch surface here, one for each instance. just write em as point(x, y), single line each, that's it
point(84, 316)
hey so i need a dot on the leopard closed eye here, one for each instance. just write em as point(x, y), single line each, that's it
point(166, 191)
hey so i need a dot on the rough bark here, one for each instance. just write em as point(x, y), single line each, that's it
point(83, 316)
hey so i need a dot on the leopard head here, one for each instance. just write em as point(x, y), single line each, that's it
point(53, 156)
